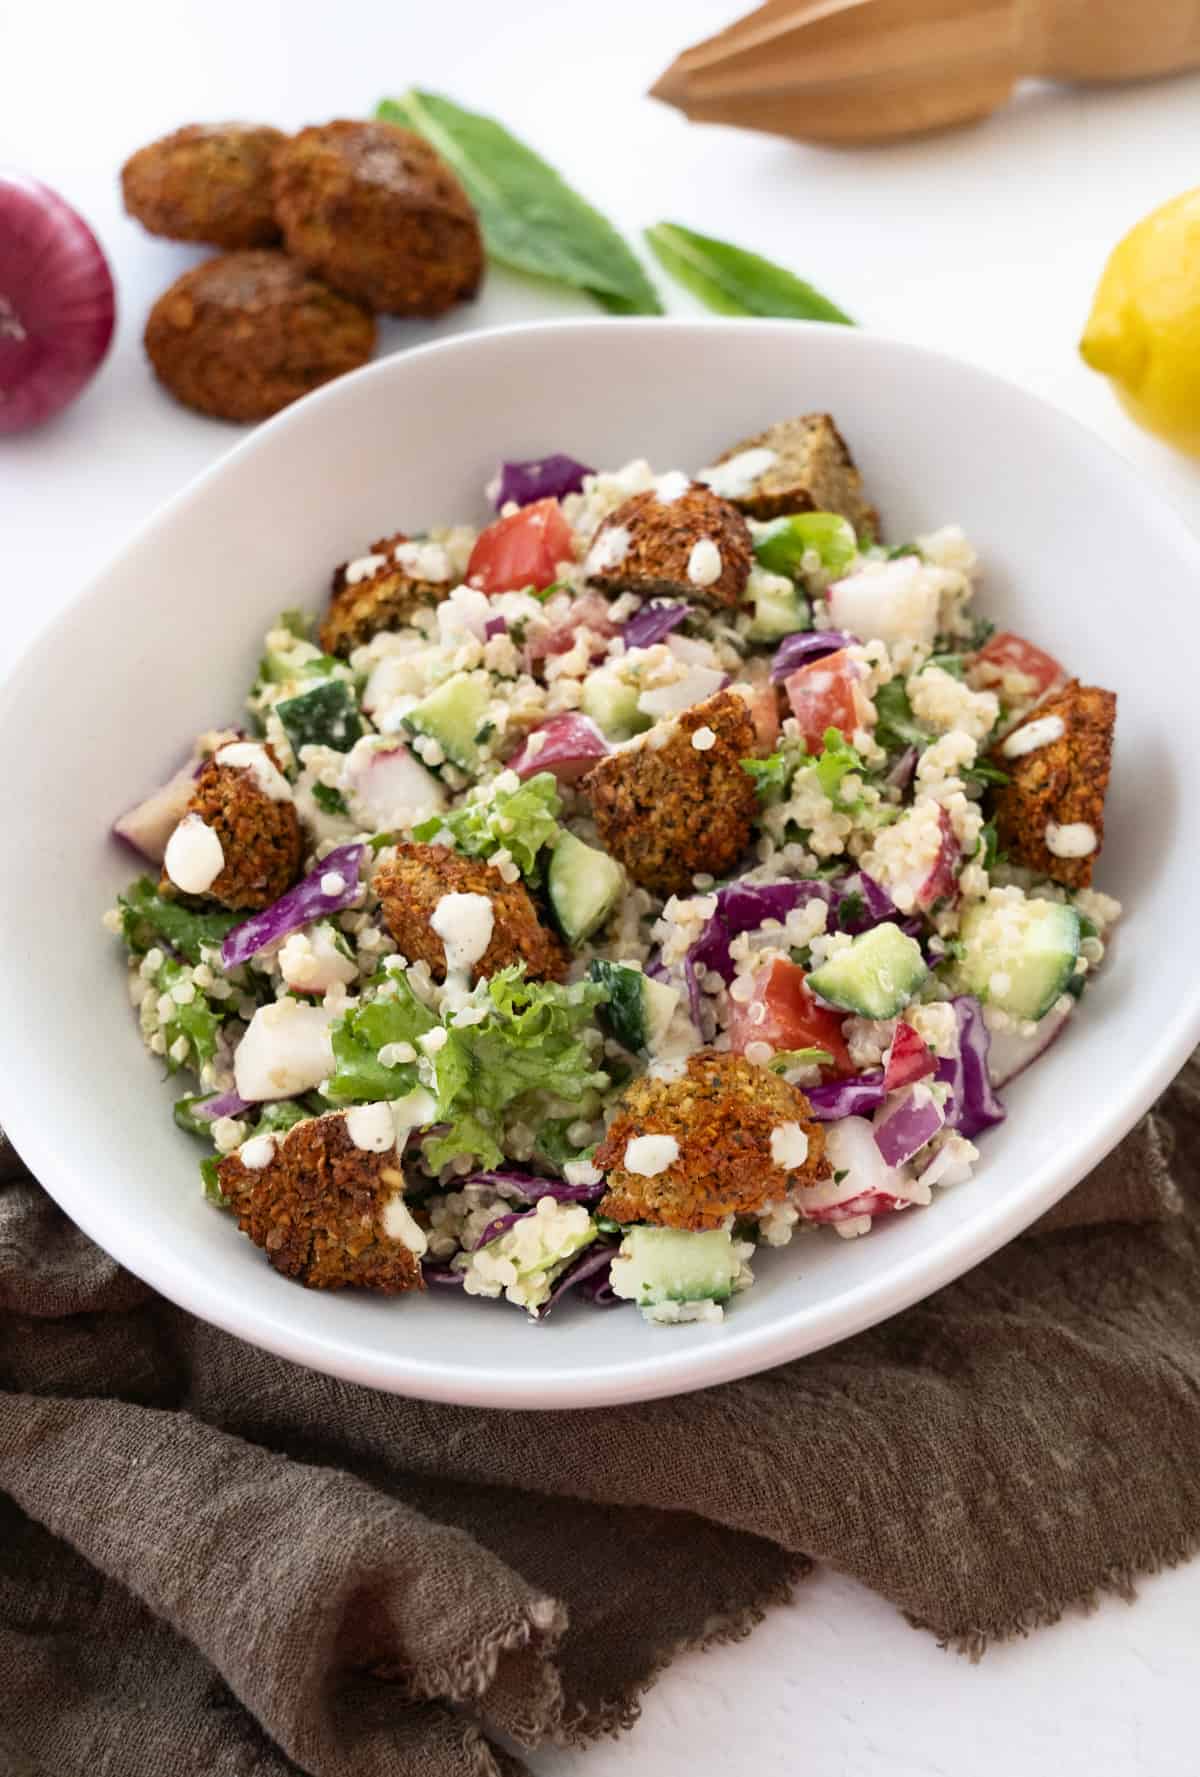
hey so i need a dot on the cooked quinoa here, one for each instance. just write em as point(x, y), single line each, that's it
point(597, 897)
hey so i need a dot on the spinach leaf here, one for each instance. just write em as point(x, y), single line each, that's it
point(531, 219)
point(733, 281)
point(146, 916)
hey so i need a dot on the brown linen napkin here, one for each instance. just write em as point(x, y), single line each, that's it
point(212, 1561)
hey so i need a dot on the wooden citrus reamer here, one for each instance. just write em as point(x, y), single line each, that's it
point(866, 70)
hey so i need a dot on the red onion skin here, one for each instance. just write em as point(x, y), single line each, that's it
point(57, 303)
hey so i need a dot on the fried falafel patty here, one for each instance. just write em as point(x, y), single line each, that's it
point(384, 599)
point(694, 546)
point(261, 839)
point(677, 802)
point(1053, 803)
point(324, 1209)
point(372, 209)
point(807, 467)
point(411, 884)
point(206, 182)
point(243, 335)
point(721, 1118)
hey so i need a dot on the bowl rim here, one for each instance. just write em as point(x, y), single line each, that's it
point(704, 1362)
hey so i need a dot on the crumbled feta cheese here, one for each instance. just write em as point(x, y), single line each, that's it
point(789, 1146)
point(648, 1155)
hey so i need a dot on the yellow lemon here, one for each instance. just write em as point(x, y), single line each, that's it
point(1144, 329)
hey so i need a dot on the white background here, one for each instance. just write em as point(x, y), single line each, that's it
point(987, 243)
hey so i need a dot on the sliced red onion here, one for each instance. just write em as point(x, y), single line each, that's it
point(298, 907)
point(901, 773)
point(57, 304)
point(441, 1276)
point(654, 622)
point(538, 479)
point(222, 1104)
point(908, 1060)
point(495, 626)
point(589, 1275)
point(909, 1127)
point(852, 1097)
point(528, 1187)
point(972, 1105)
point(808, 645)
point(569, 746)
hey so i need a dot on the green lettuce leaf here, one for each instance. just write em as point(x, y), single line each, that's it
point(198, 1021)
point(836, 762)
point(530, 1041)
point(146, 917)
point(396, 1015)
point(522, 821)
point(897, 727)
point(531, 219)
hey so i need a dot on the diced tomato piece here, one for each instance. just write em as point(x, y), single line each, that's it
point(764, 713)
point(791, 1018)
point(523, 549)
point(909, 1059)
point(822, 696)
point(1012, 653)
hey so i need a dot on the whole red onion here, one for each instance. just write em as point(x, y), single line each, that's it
point(57, 305)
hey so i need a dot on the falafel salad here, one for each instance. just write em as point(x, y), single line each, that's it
point(668, 869)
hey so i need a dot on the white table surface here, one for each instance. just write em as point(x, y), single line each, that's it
point(987, 243)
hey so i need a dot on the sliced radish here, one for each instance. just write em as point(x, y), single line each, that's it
point(286, 1050)
point(897, 602)
point(1009, 1053)
point(908, 1060)
point(867, 1179)
point(698, 683)
point(387, 787)
point(148, 826)
point(568, 745)
point(590, 611)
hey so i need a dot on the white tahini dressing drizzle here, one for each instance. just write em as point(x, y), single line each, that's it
point(789, 1146)
point(371, 1127)
point(671, 487)
point(194, 857)
point(258, 1152)
point(704, 562)
point(1074, 840)
point(736, 478)
point(1033, 735)
point(648, 1155)
point(398, 1224)
point(464, 924)
point(608, 551)
point(252, 756)
point(363, 568)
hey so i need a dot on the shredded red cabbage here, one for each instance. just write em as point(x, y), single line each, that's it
point(495, 626)
point(653, 622)
point(300, 905)
point(538, 479)
point(901, 774)
point(589, 1276)
point(529, 1187)
point(973, 1104)
point(908, 1128)
point(853, 1097)
point(812, 644)
point(441, 1276)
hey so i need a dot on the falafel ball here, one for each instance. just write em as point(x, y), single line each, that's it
point(677, 802)
point(260, 836)
point(695, 546)
point(412, 883)
point(374, 211)
point(382, 600)
point(244, 334)
point(207, 182)
point(1060, 783)
point(722, 1116)
point(324, 1209)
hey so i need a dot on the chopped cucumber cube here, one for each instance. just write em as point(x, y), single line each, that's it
point(326, 715)
point(780, 609)
point(671, 1265)
point(782, 543)
point(584, 886)
point(1018, 955)
point(612, 704)
point(639, 1010)
point(452, 715)
point(875, 975)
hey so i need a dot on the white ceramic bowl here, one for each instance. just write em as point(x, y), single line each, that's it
point(1078, 553)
